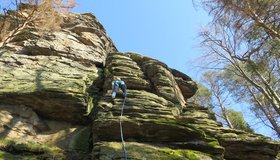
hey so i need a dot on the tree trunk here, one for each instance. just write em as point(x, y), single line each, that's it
point(268, 115)
point(270, 97)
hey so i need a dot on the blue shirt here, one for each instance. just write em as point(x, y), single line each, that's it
point(118, 83)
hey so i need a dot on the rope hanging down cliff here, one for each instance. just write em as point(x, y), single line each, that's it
point(123, 142)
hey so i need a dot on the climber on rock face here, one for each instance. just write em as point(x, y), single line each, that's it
point(116, 85)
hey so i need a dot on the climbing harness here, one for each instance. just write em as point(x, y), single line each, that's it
point(123, 142)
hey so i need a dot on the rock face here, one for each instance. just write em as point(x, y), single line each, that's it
point(55, 89)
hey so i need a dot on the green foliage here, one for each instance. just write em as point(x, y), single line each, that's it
point(238, 121)
point(223, 84)
point(274, 48)
point(202, 96)
point(251, 66)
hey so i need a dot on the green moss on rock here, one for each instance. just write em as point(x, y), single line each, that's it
point(10, 149)
point(80, 141)
point(113, 150)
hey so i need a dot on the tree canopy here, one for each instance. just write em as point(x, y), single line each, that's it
point(243, 42)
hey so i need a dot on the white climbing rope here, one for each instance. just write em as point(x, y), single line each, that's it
point(123, 142)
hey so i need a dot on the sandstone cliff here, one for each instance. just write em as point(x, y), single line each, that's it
point(55, 103)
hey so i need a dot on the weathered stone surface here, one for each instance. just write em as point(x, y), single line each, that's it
point(22, 124)
point(113, 150)
point(121, 65)
point(238, 148)
point(238, 144)
point(144, 113)
point(51, 85)
point(47, 84)
point(10, 150)
point(150, 115)
point(21, 119)
point(161, 78)
point(186, 84)
point(65, 44)
point(53, 72)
